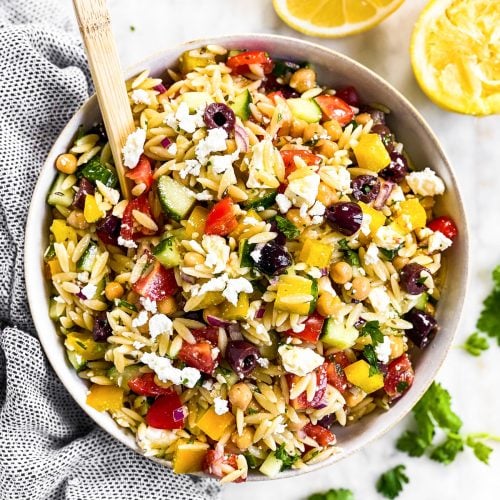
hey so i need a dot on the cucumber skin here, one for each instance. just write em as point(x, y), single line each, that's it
point(164, 201)
point(167, 253)
point(305, 109)
point(265, 201)
point(59, 197)
point(241, 105)
point(83, 263)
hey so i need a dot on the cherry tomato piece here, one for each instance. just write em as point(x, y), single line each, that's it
point(166, 412)
point(157, 284)
point(312, 331)
point(444, 225)
point(399, 376)
point(318, 400)
point(198, 356)
point(221, 219)
point(145, 385)
point(288, 156)
point(334, 108)
point(142, 172)
point(239, 63)
point(210, 333)
point(130, 228)
point(321, 435)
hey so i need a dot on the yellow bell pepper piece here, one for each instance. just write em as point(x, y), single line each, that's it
point(62, 231)
point(54, 267)
point(210, 299)
point(413, 215)
point(358, 374)
point(85, 345)
point(289, 286)
point(239, 311)
point(91, 210)
point(213, 425)
point(196, 223)
point(189, 457)
point(377, 218)
point(105, 397)
point(315, 253)
point(371, 153)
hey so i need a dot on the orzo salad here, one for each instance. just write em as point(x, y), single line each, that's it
point(271, 276)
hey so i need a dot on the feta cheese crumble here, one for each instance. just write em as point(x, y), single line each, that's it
point(214, 142)
point(220, 406)
point(338, 177)
point(425, 183)
point(191, 167)
point(140, 96)
point(234, 287)
point(89, 290)
point(126, 243)
point(263, 362)
point(167, 372)
point(438, 242)
point(158, 324)
point(299, 360)
point(141, 319)
point(217, 252)
point(187, 122)
point(386, 237)
point(172, 149)
point(284, 204)
point(303, 190)
point(148, 304)
point(371, 254)
point(383, 350)
point(134, 147)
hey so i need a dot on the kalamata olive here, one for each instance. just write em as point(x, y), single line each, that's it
point(102, 329)
point(345, 217)
point(412, 280)
point(108, 229)
point(242, 357)
point(397, 170)
point(424, 327)
point(385, 134)
point(271, 84)
point(349, 95)
point(377, 115)
point(85, 187)
point(327, 421)
point(365, 188)
point(273, 259)
point(218, 115)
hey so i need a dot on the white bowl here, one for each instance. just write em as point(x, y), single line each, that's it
point(411, 129)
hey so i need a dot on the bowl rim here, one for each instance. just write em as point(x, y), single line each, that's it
point(32, 260)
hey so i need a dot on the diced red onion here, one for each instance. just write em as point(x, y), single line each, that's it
point(178, 414)
point(241, 138)
point(188, 279)
point(81, 296)
point(160, 88)
point(166, 142)
point(324, 271)
point(214, 321)
point(260, 313)
point(234, 331)
point(386, 188)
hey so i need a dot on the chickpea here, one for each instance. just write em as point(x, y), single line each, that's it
point(354, 396)
point(326, 304)
point(66, 163)
point(303, 79)
point(296, 426)
point(341, 272)
point(363, 118)
point(167, 305)
point(311, 130)
point(243, 441)
point(360, 288)
point(77, 220)
point(399, 262)
point(191, 259)
point(326, 195)
point(398, 346)
point(327, 148)
point(113, 290)
point(240, 395)
point(333, 129)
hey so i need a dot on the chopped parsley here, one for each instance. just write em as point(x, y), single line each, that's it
point(333, 494)
point(132, 28)
point(388, 254)
point(391, 483)
point(372, 328)
point(284, 226)
point(350, 255)
point(476, 344)
point(286, 459)
point(252, 411)
point(371, 357)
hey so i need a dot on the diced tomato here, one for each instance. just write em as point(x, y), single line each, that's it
point(130, 228)
point(240, 62)
point(142, 172)
point(321, 435)
point(399, 376)
point(312, 331)
point(221, 219)
point(444, 225)
point(214, 462)
point(210, 333)
point(272, 95)
point(157, 284)
point(300, 402)
point(288, 156)
point(198, 356)
point(166, 412)
point(336, 376)
point(349, 95)
point(144, 385)
point(334, 108)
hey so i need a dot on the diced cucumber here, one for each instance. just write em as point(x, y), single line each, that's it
point(228, 374)
point(305, 109)
point(244, 251)
point(422, 301)
point(77, 361)
point(167, 252)
point(271, 466)
point(314, 293)
point(55, 309)
point(176, 200)
point(86, 261)
point(58, 196)
point(241, 105)
point(338, 335)
point(122, 379)
point(260, 199)
point(94, 170)
point(125, 305)
point(196, 100)
point(49, 253)
point(192, 59)
point(252, 461)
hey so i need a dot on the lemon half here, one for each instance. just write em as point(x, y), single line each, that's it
point(455, 55)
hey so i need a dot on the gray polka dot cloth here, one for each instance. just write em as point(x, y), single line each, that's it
point(49, 449)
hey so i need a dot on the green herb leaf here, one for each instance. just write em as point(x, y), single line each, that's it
point(476, 344)
point(350, 255)
point(286, 459)
point(447, 451)
point(388, 254)
point(333, 494)
point(480, 449)
point(391, 483)
point(132, 28)
point(372, 328)
point(412, 443)
point(371, 357)
point(286, 227)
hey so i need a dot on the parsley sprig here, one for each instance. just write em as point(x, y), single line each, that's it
point(350, 255)
point(333, 494)
point(391, 483)
point(286, 459)
point(372, 328)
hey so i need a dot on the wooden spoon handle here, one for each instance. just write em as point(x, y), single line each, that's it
point(95, 26)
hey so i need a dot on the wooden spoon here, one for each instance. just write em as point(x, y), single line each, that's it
point(95, 27)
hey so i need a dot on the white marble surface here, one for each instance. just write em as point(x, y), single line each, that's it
point(473, 145)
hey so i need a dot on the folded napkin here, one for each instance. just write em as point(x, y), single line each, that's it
point(49, 448)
